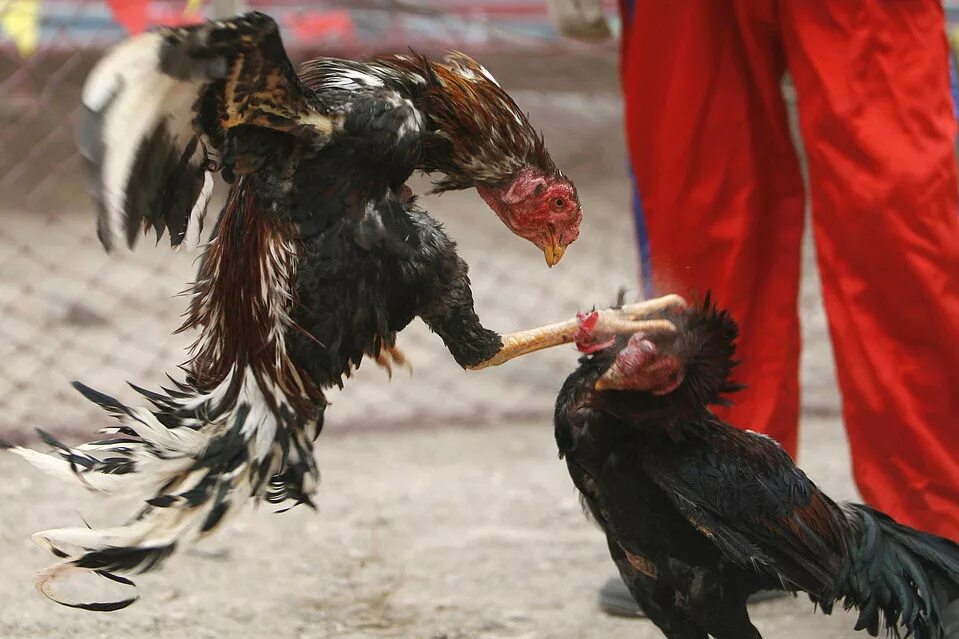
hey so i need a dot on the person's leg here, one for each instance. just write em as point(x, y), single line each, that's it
point(719, 194)
point(718, 191)
point(877, 119)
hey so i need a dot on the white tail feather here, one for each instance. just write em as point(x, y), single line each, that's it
point(53, 466)
point(194, 479)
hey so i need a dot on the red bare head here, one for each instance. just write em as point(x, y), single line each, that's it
point(688, 369)
point(540, 207)
point(640, 366)
point(481, 138)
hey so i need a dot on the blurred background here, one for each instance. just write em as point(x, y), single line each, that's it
point(69, 311)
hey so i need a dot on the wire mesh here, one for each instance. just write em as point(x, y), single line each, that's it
point(70, 311)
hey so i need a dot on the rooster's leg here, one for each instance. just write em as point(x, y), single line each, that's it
point(610, 322)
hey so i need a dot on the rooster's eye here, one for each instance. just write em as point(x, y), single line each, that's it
point(560, 203)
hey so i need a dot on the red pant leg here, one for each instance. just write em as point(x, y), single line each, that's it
point(877, 118)
point(719, 183)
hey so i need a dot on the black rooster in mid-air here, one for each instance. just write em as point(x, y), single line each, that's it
point(318, 259)
point(699, 515)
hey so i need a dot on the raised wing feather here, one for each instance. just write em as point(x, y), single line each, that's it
point(158, 111)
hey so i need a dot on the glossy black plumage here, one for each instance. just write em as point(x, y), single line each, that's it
point(364, 280)
point(699, 514)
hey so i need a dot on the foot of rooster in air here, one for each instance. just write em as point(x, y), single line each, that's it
point(625, 320)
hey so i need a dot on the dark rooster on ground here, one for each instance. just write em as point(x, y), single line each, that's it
point(318, 259)
point(698, 514)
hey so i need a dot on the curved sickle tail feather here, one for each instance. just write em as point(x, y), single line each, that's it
point(195, 457)
point(898, 576)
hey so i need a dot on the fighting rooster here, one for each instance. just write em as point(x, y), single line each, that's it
point(698, 515)
point(318, 259)
point(164, 111)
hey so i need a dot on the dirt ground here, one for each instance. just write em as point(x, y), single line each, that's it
point(454, 533)
point(425, 529)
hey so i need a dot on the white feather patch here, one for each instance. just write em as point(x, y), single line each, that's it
point(488, 75)
point(126, 60)
point(143, 99)
point(195, 225)
point(53, 466)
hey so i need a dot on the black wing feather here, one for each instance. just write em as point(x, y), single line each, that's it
point(744, 493)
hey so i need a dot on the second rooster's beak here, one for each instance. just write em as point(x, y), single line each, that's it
point(554, 253)
point(611, 379)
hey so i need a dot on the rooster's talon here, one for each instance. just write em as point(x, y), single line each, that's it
point(671, 302)
point(390, 355)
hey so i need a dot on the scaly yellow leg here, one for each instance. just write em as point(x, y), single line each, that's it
point(622, 321)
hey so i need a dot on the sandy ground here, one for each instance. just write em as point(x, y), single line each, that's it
point(457, 533)
point(444, 512)
point(441, 533)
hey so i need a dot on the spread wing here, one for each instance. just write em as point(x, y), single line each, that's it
point(159, 111)
point(745, 494)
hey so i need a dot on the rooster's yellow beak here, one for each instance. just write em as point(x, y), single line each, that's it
point(554, 253)
point(610, 379)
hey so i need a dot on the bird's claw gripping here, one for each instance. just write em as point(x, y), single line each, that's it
point(588, 327)
point(585, 338)
point(598, 329)
point(671, 302)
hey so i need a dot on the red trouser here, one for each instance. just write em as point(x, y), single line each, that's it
point(720, 201)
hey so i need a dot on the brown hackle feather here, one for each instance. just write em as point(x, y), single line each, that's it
point(476, 117)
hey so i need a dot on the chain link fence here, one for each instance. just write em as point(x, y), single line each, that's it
point(69, 311)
